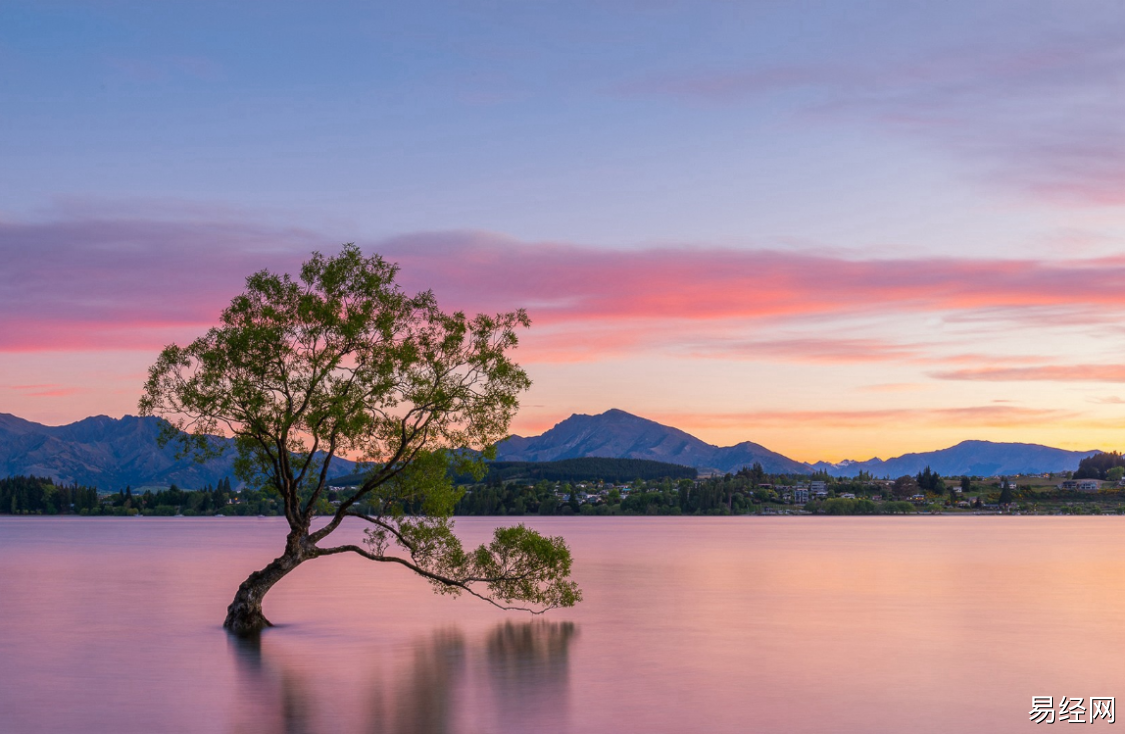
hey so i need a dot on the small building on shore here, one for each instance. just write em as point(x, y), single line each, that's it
point(1082, 485)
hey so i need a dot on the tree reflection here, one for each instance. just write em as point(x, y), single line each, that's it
point(421, 697)
point(515, 678)
point(272, 698)
point(529, 669)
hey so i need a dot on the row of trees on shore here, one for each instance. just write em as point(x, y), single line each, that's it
point(22, 495)
point(31, 495)
point(749, 490)
point(752, 490)
point(1104, 465)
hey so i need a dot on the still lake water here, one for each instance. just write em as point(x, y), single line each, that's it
point(689, 625)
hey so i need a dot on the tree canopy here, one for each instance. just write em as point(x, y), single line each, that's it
point(341, 361)
point(1099, 465)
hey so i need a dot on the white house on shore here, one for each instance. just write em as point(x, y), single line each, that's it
point(1082, 485)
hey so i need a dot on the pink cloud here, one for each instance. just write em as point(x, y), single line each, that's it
point(45, 391)
point(566, 283)
point(891, 387)
point(138, 285)
point(95, 284)
point(829, 351)
point(974, 416)
point(1055, 373)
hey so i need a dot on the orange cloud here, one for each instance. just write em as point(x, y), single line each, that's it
point(1056, 373)
point(830, 351)
point(894, 387)
point(973, 416)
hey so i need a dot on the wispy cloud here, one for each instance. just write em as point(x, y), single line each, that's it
point(892, 387)
point(828, 351)
point(45, 390)
point(1038, 114)
point(566, 282)
point(1055, 373)
point(96, 284)
point(991, 416)
point(92, 284)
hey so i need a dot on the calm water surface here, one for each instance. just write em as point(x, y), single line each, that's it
point(689, 625)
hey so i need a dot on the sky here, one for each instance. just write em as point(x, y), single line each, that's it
point(840, 230)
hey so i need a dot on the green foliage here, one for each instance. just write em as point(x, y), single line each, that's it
point(548, 505)
point(519, 565)
point(849, 507)
point(422, 487)
point(650, 503)
point(27, 495)
point(340, 361)
point(37, 495)
point(930, 481)
point(1098, 465)
point(755, 473)
point(748, 491)
point(337, 360)
point(470, 470)
point(583, 469)
point(522, 565)
point(905, 486)
point(859, 506)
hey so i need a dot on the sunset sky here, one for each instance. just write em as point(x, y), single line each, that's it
point(839, 230)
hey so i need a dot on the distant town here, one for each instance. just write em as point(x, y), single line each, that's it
point(596, 486)
point(751, 491)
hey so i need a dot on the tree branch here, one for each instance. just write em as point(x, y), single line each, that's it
point(460, 584)
point(387, 526)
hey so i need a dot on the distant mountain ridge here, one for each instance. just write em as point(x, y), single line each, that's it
point(975, 458)
point(108, 453)
point(617, 434)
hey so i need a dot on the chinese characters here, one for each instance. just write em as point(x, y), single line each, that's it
point(1071, 710)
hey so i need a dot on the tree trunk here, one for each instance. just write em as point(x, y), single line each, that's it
point(244, 615)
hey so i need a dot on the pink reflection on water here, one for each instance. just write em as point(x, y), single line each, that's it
point(689, 625)
point(514, 678)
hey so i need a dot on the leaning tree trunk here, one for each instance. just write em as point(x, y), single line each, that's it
point(244, 615)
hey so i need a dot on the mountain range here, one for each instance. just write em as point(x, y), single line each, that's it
point(618, 434)
point(110, 453)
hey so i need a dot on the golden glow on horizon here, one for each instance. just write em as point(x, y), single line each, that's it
point(874, 368)
point(809, 441)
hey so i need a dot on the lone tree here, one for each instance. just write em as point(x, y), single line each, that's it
point(905, 486)
point(340, 361)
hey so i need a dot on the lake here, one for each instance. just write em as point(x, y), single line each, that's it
point(796, 624)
